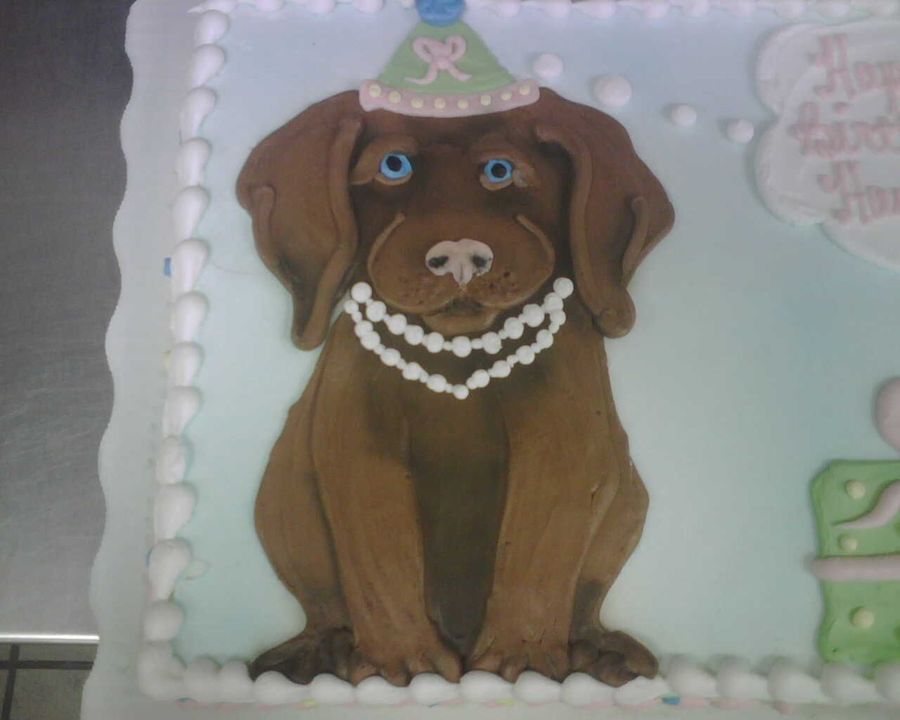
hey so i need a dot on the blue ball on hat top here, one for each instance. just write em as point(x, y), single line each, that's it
point(440, 13)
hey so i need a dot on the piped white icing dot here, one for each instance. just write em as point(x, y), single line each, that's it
point(683, 115)
point(739, 131)
point(613, 91)
point(791, 8)
point(563, 287)
point(547, 66)
point(862, 618)
point(833, 8)
point(655, 9)
point(361, 292)
point(855, 489)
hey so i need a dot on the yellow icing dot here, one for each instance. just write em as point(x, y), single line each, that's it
point(417, 103)
point(524, 89)
point(394, 96)
point(462, 104)
point(485, 100)
point(862, 618)
point(848, 543)
point(440, 103)
point(375, 90)
point(506, 95)
point(855, 489)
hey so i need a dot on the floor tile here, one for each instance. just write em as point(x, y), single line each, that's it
point(47, 651)
point(48, 694)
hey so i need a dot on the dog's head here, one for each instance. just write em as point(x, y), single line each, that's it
point(454, 220)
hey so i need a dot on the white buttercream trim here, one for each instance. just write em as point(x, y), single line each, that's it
point(161, 675)
point(650, 9)
point(686, 683)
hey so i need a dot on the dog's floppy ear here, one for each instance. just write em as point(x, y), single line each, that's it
point(295, 187)
point(618, 209)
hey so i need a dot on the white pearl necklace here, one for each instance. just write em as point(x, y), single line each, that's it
point(366, 311)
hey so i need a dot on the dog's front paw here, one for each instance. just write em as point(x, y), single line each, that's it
point(398, 662)
point(307, 655)
point(613, 658)
point(509, 656)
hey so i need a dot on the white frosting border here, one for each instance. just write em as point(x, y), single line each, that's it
point(163, 676)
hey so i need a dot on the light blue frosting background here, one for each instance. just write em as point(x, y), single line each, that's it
point(754, 361)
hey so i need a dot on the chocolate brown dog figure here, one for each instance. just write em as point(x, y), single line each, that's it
point(420, 532)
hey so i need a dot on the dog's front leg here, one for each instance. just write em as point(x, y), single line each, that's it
point(567, 453)
point(367, 489)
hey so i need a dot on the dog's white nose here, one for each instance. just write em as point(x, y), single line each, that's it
point(464, 259)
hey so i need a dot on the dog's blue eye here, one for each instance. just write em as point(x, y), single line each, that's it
point(395, 166)
point(498, 171)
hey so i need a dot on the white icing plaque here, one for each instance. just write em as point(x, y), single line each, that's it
point(833, 154)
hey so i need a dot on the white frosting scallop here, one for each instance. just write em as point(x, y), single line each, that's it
point(598, 8)
point(167, 560)
point(789, 683)
point(272, 688)
point(581, 690)
point(478, 686)
point(201, 678)
point(376, 690)
point(171, 461)
point(188, 260)
point(160, 674)
point(432, 689)
point(208, 60)
point(690, 680)
point(184, 363)
point(535, 689)
point(188, 313)
point(191, 161)
point(330, 690)
point(197, 105)
point(162, 621)
point(189, 206)
point(211, 27)
point(846, 685)
point(182, 403)
point(172, 508)
point(235, 683)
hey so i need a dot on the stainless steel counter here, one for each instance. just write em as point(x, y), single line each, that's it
point(64, 82)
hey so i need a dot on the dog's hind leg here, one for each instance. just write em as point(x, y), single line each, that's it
point(611, 656)
point(293, 530)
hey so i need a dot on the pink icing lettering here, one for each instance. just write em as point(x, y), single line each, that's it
point(890, 81)
point(832, 56)
point(866, 76)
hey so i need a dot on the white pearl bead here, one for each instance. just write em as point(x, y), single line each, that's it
point(554, 327)
point(500, 369)
point(434, 342)
point(543, 339)
point(437, 383)
point(461, 346)
point(361, 292)
point(390, 357)
point(532, 315)
point(514, 328)
point(460, 392)
point(558, 317)
point(492, 343)
point(563, 287)
point(376, 311)
point(479, 379)
point(412, 371)
point(370, 340)
point(477, 344)
point(351, 306)
point(401, 363)
point(396, 323)
point(357, 316)
point(553, 302)
point(413, 334)
point(525, 355)
point(363, 328)
point(379, 349)
point(448, 346)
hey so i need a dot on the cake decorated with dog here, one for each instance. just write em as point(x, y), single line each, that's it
point(532, 353)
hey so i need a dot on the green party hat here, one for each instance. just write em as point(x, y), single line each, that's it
point(445, 71)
